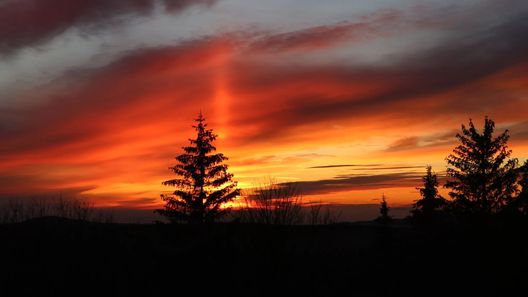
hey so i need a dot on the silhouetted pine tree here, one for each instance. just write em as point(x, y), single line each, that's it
point(521, 201)
point(384, 210)
point(203, 183)
point(430, 202)
point(482, 175)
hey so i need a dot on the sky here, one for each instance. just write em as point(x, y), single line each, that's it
point(351, 99)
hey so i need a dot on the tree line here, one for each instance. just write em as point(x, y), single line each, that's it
point(482, 179)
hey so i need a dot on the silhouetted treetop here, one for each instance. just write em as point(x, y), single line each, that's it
point(482, 175)
point(203, 183)
point(521, 201)
point(384, 210)
point(430, 200)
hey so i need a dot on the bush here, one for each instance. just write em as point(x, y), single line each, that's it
point(19, 210)
point(282, 204)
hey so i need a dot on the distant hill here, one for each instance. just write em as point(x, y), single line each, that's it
point(344, 213)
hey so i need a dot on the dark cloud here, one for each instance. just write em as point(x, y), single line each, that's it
point(455, 66)
point(32, 22)
point(17, 188)
point(390, 168)
point(457, 62)
point(423, 142)
point(357, 182)
point(365, 167)
point(179, 5)
point(404, 144)
point(343, 165)
point(317, 38)
point(519, 131)
point(133, 203)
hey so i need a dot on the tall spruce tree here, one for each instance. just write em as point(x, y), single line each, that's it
point(430, 201)
point(482, 175)
point(203, 183)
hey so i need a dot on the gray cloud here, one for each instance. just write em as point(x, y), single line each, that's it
point(357, 182)
point(35, 191)
point(519, 131)
point(404, 144)
point(320, 37)
point(32, 22)
point(390, 168)
point(425, 141)
point(458, 61)
point(343, 165)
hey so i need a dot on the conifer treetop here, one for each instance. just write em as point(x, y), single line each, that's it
point(203, 182)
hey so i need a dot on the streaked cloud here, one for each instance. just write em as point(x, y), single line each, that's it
point(31, 22)
point(343, 165)
point(358, 182)
point(286, 100)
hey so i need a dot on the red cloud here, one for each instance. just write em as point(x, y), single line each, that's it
point(119, 126)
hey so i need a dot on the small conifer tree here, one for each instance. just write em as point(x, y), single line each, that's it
point(430, 200)
point(384, 210)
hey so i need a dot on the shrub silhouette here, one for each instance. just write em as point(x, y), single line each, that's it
point(320, 214)
point(482, 177)
point(18, 210)
point(203, 183)
point(274, 203)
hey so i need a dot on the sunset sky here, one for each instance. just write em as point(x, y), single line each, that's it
point(352, 99)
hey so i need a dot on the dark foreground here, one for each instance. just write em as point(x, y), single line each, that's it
point(57, 257)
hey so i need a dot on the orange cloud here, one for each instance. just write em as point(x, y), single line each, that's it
point(111, 133)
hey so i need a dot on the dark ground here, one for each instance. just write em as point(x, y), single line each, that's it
point(58, 257)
